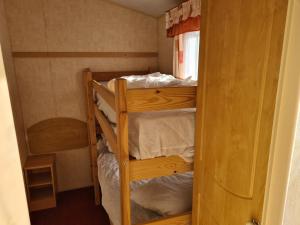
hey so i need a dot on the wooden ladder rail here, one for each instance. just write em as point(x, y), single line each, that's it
point(88, 83)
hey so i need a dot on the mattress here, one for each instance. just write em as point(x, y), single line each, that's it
point(108, 175)
point(176, 127)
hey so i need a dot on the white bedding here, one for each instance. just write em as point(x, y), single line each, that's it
point(108, 175)
point(152, 80)
point(176, 128)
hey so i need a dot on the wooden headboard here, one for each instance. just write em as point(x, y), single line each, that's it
point(57, 134)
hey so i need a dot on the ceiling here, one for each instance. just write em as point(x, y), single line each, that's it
point(154, 8)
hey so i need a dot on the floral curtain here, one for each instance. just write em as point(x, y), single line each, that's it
point(178, 52)
point(183, 18)
point(179, 20)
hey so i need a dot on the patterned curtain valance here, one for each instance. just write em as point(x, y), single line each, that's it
point(183, 18)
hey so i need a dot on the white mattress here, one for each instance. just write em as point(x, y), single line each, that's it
point(176, 128)
point(108, 175)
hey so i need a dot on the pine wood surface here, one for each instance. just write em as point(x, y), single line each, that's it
point(135, 100)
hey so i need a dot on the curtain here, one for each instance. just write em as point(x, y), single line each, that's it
point(178, 53)
point(183, 18)
point(186, 55)
point(179, 21)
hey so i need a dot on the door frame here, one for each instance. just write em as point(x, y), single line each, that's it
point(12, 191)
point(285, 120)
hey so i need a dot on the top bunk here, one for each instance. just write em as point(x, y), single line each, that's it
point(140, 99)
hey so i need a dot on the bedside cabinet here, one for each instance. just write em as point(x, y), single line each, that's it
point(40, 179)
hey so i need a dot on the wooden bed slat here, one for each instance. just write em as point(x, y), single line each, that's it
point(183, 219)
point(106, 94)
point(155, 99)
point(107, 130)
point(156, 167)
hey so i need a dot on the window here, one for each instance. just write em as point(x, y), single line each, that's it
point(191, 42)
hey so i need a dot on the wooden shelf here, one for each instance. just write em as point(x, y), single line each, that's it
point(40, 182)
point(37, 162)
point(41, 198)
point(40, 194)
point(39, 179)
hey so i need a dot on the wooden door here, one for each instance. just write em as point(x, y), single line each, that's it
point(241, 44)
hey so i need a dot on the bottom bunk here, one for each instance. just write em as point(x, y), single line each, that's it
point(151, 199)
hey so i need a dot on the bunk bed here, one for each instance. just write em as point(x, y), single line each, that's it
point(123, 101)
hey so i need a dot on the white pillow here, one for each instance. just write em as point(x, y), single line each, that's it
point(166, 195)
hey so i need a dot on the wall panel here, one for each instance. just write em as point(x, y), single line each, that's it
point(52, 87)
point(165, 48)
point(26, 24)
point(35, 87)
point(93, 25)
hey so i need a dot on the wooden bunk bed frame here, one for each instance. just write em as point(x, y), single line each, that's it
point(124, 101)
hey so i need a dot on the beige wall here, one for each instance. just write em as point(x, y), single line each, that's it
point(53, 87)
point(165, 48)
point(12, 82)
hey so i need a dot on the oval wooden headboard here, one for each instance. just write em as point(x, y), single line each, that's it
point(57, 134)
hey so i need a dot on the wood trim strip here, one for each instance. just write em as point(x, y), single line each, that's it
point(106, 94)
point(156, 99)
point(107, 130)
point(84, 54)
point(157, 167)
point(183, 219)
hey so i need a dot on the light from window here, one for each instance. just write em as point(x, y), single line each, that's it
point(191, 42)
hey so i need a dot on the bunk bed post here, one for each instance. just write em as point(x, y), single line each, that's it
point(88, 78)
point(122, 139)
point(196, 207)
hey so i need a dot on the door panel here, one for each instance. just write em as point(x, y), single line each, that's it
point(239, 66)
point(234, 89)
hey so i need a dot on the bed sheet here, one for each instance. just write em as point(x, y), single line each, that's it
point(155, 134)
